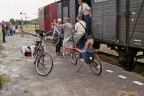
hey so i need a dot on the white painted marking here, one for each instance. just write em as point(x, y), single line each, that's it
point(137, 43)
point(138, 83)
point(136, 40)
point(110, 71)
point(15, 70)
point(133, 13)
point(14, 76)
point(121, 76)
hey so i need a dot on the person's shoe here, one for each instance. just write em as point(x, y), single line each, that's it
point(5, 42)
point(63, 56)
point(59, 53)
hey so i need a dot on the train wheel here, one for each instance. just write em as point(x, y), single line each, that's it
point(128, 62)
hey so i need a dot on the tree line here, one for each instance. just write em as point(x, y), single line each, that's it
point(25, 22)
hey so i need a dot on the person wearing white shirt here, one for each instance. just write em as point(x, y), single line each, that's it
point(80, 27)
point(85, 11)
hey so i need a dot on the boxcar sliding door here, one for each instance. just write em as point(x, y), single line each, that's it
point(104, 20)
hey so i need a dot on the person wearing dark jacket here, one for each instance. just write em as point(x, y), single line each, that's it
point(4, 31)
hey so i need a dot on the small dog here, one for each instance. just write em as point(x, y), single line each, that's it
point(25, 49)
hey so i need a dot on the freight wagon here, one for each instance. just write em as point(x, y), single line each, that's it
point(46, 15)
point(117, 23)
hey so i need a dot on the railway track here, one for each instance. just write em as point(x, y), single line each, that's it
point(112, 59)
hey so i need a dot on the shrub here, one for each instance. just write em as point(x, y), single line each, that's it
point(3, 80)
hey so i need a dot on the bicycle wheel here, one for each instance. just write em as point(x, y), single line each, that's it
point(73, 57)
point(44, 64)
point(52, 39)
point(96, 66)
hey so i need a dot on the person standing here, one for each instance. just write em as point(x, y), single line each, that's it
point(22, 29)
point(85, 11)
point(67, 26)
point(11, 29)
point(58, 45)
point(3, 31)
point(67, 33)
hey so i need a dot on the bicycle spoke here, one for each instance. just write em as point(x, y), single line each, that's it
point(73, 57)
point(96, 66)
point(44, 64)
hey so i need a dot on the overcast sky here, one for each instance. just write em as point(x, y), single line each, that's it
point(12, 8)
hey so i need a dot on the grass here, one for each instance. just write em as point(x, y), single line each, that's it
point(29, 28)
point(3, 80)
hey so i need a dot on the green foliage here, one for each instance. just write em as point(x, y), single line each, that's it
point(3, 79)
point(13, 21)
point(26, 91)
point(25, 22)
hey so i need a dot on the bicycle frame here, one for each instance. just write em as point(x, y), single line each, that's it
point(55, 31)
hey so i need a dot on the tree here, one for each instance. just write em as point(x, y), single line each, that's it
point(12, 21)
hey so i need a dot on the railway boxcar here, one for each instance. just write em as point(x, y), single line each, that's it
point(117, 23)
point(46, 15)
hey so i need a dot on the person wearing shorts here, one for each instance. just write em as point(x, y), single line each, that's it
point(67, 34)
point(67, 27)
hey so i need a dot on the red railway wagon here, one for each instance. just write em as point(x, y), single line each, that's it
point(46, 15)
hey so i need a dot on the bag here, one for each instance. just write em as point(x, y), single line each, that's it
point(28, 54)
point(87, 56)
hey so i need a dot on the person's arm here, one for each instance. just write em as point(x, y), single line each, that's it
point(62, 25)
point(89, 9)
point(76, 27)
point(90, 12)
point(79, 11)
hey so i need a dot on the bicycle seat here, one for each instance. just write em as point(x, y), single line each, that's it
point(89, 43)
point(38, 43)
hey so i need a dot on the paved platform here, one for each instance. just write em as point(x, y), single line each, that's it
point(64, 79)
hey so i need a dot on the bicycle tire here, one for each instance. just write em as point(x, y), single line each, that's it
point(73, 57)
point(42, 66)
point(51, 39)
point(96, 66)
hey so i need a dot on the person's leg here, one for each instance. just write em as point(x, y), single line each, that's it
point(10, 32)
point(4, 34)
point(59, 45)
point(87, 20)
point(81, 42)
point(77, 40)
point(64, 50)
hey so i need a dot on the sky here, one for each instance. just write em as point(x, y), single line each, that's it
point(12, 8)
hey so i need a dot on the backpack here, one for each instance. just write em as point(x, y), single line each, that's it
point(87, 56)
